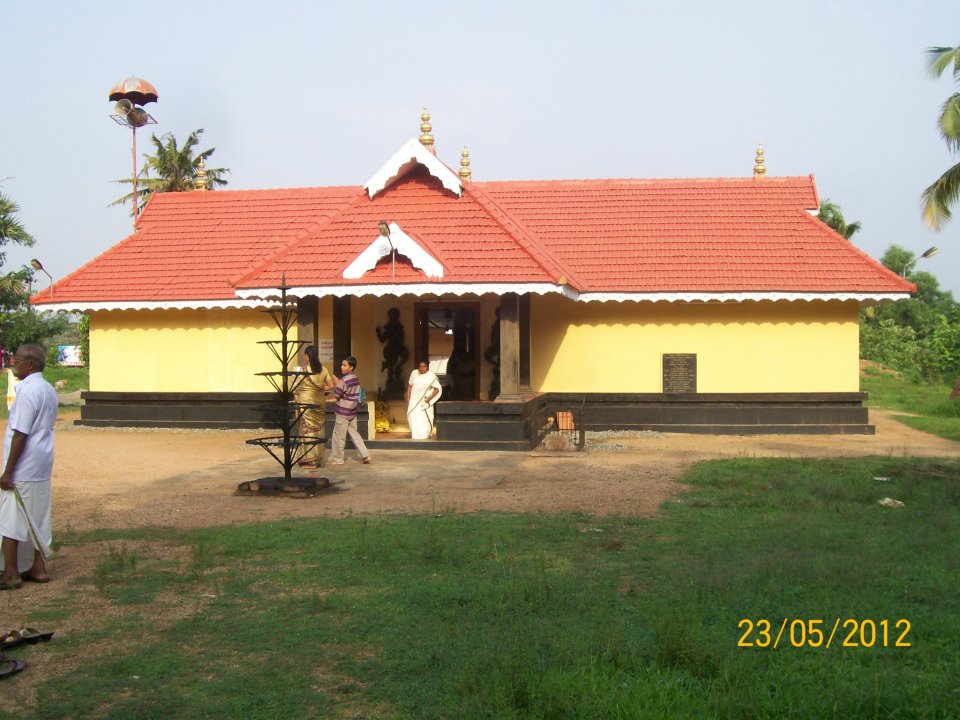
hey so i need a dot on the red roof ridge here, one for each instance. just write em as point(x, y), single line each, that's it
point(214, 194)
point(525, 238)
point(260, 263)
point(804, 179)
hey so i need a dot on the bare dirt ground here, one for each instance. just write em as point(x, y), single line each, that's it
point(113, 478)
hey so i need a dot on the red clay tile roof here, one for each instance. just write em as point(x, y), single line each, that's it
point(189, 244)
point(475, 240)
point(601, 236)
point(700, 235)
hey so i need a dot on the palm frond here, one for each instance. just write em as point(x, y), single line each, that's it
point(852, 229)
point(831, 214)
point(172, 168)
point(950, 122)
point(942, 59)
point(940, 197)
point(11, 229)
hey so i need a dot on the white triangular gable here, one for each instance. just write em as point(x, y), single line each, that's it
point(407, 158)
point(404, 245)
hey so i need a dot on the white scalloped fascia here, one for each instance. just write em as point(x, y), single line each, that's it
point(739, 297)
point(418, 289)
point(404, 245)
point(84, 307)
point(257, 298)
point(406, 158)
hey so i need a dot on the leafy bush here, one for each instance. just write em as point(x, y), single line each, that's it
point(23, 326)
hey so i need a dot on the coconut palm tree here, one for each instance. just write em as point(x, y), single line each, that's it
point(945, 191)
point(11, 231)
point(832, 215)
point(172, 169)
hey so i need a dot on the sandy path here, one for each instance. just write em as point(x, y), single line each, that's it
point(125, 478)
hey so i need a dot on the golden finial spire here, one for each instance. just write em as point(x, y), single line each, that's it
point(200, 181)
point(426, 139)
point(759, 169)
point(465, 172)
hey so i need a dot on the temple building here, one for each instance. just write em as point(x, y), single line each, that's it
point(718, 305)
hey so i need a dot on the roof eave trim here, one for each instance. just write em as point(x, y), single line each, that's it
point(419, 289)
point(405, 159)
point(214, 304)
point(865, 296)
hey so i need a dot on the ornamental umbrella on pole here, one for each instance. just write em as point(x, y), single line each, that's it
point(129, 95)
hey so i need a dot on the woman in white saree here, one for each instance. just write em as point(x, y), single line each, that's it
point(423, 391)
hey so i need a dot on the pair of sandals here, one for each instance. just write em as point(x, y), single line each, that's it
point(11, 666)
point(13, 638)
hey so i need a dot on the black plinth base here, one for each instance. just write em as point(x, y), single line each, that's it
point(297, 487)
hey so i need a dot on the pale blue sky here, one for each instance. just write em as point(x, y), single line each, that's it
point(322, 93)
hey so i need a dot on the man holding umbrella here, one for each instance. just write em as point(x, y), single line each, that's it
point(28, 462)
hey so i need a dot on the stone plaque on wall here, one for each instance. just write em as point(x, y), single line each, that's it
point(679, 373)
point(325, 352)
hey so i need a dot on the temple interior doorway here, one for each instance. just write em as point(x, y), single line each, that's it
point(446, 334)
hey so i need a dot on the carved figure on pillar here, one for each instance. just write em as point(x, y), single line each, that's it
point(395, 354)
point(492, 355)
point(464, 358)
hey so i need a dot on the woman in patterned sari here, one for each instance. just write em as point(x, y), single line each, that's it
point(312, 391)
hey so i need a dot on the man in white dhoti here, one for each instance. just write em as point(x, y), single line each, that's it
point(28, 462)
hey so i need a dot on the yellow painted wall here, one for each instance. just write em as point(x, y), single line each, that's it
point(576, 347)
point(180, 350)
point(741, 347)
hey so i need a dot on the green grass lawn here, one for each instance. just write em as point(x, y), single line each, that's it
point(76, 378)
point(531, 616)
point(927, 407)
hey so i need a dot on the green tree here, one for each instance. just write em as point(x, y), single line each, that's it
point(83, 327)
point(172, 168)
point(945, 190)
point(19, 324)
point(921, 336)
point(11, 231)
point(832, 215)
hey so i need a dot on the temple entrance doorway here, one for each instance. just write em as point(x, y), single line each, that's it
point(446, 334)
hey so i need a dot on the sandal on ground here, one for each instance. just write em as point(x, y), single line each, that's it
point(27, 577)
point(10, 667)
point(366, 460)
point(33, 636)
point(11, 639)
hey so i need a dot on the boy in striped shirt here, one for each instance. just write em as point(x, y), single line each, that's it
point(347, 392)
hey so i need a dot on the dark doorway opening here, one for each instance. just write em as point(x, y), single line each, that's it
point(446, 334)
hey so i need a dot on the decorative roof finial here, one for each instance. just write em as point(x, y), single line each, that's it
point(200, 181)
point(465, 172)
point(759, 169)
point(426, 139)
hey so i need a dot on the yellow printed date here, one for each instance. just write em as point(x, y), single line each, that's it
point(815, 633)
